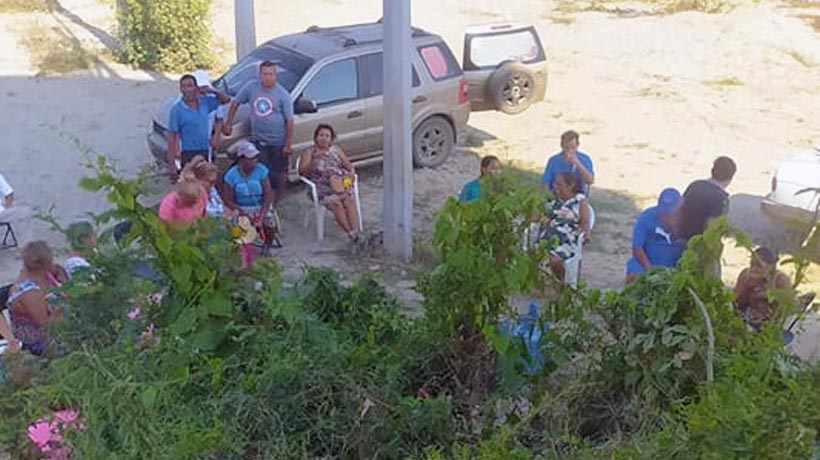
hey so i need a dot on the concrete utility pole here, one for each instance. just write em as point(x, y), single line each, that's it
point(397, 214)
point(245, 19)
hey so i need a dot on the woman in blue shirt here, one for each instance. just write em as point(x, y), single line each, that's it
point(490, 165)
point(248, 190)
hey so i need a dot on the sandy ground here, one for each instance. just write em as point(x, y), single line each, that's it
point(655, 97)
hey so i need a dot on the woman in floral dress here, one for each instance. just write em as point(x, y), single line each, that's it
point(567, 219)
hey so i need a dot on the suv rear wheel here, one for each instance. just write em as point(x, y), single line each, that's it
point(511, 88)
point(433, 142)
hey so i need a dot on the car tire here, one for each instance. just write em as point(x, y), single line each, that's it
point(511, 88)
point(433, 142)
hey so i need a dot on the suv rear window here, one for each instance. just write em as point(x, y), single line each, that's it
point(439, 61)
point(488, 50)
point(290, 69)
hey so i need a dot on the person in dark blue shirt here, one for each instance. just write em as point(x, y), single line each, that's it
point(569, 159)
point(655, 242)
point(190, 125)
point(490, 165)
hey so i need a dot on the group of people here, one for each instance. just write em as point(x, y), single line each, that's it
point(253, 185)
point(660, 233)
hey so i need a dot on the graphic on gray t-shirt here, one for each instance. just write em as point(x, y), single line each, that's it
point(270, 108)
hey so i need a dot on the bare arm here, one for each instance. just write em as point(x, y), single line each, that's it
point(7, 334)
point(228, 196)
point(306, 162)
point(227, 124)
point(173, 150)
point(345, 160)
point(586, 174)
point(640, 256)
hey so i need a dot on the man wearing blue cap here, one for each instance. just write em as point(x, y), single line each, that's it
point(654, 239)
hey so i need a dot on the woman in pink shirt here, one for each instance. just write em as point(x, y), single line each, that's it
point(184, 204)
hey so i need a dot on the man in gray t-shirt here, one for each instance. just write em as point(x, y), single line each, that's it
point(271, 117)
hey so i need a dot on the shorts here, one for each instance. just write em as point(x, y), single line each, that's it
point(276, 161)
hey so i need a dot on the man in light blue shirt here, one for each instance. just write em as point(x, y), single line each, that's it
point(190, 125)
point(569, 159)
point(271, 122)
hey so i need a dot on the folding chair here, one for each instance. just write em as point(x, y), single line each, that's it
point(9, 239)
point(318, 210)
point(573, 264)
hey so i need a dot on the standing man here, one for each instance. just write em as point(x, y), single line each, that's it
point(706, 199)
point(190, 125)
point(654, 237)
point(271, 122)
point(569, 159)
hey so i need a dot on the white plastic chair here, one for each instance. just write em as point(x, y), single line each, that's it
point(4, 344)
point(572, 265)
point(318, 210)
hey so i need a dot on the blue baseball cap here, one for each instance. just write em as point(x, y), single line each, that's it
point(668, 200)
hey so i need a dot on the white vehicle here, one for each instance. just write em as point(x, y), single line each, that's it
point(792, 197)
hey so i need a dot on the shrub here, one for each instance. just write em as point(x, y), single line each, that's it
point(169, 35)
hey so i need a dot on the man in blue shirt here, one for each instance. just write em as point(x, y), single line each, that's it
point(655, 242)
point(569, 159)
point(190, 126)
point(271, 122)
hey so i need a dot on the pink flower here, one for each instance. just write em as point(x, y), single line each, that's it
point(67, 415)
point(156, 297)
point(134, 314)
point(40, 433)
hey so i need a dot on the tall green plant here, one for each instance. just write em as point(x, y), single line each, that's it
point(169, 35)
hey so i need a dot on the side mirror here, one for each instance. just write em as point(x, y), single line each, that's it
point(303, 105)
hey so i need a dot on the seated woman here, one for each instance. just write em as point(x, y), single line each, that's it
point(330, 169)
point(751, 298)
point(248, 191)
point(568, 217)
point(490, 165)
point(32, 299)
point(207, 175)
point(186, 201)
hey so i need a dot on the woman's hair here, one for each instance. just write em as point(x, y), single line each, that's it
point(189, 191)
point(205, 171)
point(37, 256)
point(322, 126)
point(78, 234)
point(573, 181)
point(488, 160)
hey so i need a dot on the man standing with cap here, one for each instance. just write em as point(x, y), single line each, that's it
point(654, 237)
point(271, 122)
point(190, 122)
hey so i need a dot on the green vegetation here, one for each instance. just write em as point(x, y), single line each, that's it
point(169, 35)
point(53, 52)
point(244, 369)
point(23, 6)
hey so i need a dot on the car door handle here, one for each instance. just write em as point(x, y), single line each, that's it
point(354, 114)
point(418, 99)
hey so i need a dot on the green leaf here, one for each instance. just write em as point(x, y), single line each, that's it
point(219, 305)
point(149, 397)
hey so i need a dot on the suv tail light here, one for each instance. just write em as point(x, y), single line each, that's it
point(463, 96)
